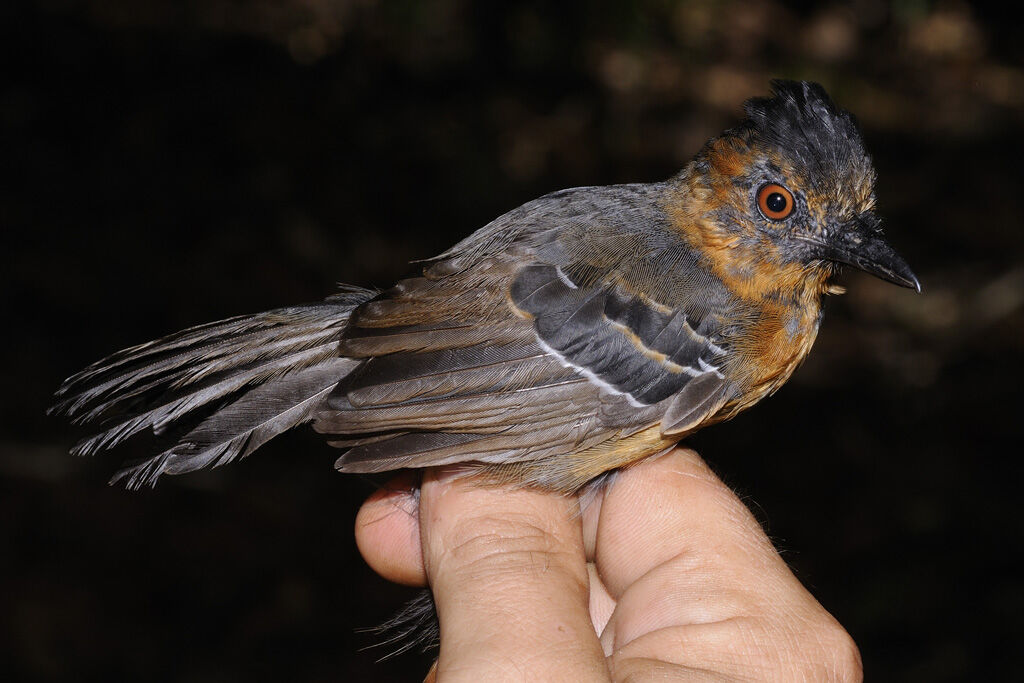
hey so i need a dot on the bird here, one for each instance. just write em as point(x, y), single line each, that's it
point(572, 336)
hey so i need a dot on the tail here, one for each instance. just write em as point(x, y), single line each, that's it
point(237, 383)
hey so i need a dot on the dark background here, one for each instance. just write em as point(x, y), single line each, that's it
point(170, 162)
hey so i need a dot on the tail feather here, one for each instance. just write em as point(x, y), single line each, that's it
point(188, 356)
point(243, 426)
point(182, 372)
point(175, 404)
point(240, 382)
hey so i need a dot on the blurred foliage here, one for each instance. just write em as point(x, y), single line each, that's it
point(175, 161)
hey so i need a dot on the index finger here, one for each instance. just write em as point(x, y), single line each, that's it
point(509, 577)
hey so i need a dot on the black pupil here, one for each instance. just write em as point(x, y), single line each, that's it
point(776, 202)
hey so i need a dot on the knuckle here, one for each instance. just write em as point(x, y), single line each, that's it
point(845, 655)
point(489, 548)
point(827, 653)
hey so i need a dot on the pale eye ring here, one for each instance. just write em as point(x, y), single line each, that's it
point(775, 202)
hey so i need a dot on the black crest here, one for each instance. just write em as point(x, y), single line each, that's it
point(801, 121)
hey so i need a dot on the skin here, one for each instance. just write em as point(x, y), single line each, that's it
point(665, 575)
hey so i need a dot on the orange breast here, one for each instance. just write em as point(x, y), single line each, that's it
point(779, 302)
point(772, 348)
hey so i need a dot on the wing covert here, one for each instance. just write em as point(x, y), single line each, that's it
point(621, 340)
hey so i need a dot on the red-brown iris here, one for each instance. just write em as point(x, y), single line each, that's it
point(775, 202)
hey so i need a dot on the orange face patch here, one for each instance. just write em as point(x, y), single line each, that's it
point(729, 156)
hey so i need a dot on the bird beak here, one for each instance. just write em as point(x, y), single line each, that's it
point(859, 243)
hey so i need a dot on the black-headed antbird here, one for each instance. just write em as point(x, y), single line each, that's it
point(574, 335)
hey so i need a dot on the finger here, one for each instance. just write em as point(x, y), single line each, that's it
point(509, 578)
point(388, 532)
point(700, 553)
point(668, 506)
point(601, 602)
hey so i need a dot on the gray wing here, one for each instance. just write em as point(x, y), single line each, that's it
point(529, 349)
point(571, 336)
point(632, 345)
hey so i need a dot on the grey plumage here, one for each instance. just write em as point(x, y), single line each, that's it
point(616, 337)
point(247, 423)
point(803, 123)
point(581, 329)
point(252, 377)
point(442, 367)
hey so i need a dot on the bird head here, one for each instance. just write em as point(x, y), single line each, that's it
point(794, 185)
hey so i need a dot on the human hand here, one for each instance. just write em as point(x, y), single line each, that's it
point(665, 574)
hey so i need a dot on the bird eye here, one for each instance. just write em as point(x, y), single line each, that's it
point(775, 202)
